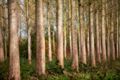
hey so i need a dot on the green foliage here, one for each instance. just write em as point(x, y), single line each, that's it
point(54, 72)
point(112, 75)
point(23, 48)
point(58, 77)
point(4, 70)
point(26, 69)
point(52, 67)
point(68, 65)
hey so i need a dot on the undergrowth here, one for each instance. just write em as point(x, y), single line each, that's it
point(54, 72)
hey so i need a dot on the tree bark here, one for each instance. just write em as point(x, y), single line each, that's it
point(60, 34)
point(75, 64)
point(1, 36)
point(92, 43)
point(14, 62)
point(49, 35)
point(103, 32)
point(40, 43)
point(82, 28)
point(1, 47)
point(112, 33)
point(29, 32)
point(98, 37)
point(29, 45)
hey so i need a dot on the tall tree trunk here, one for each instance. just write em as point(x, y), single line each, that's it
point(108, 31)
point(1, 36)
point(103, 32)
point(40, 43)
point(1, 47)
point(5, 33)
point(65, 42)
point(29, 45)
point(14, 62)
point(98, 37)
point(82, 28)
point(116, 28)
point(69, 27)
point(117, 43)
point(75, 63)
point(92, 45)
point(119, 28)
point(49, 35)
point(64, 29)
point(112, 33)
point(29, 31)
point(60, 34)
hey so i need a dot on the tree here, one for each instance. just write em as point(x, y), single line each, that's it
point(91, 29)
point(69, 27)
point(108, 22)
point(40, 39)
point(82, 34)
point(14, 62)
point(65, 29)
point(1, 36)
point(29, 31)
point(60, 34)
point(98, 36)
point(1, 47)
point(75, 63)
point(49, 33)
point(103, 32)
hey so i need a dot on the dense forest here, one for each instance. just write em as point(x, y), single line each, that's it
point(59, 39)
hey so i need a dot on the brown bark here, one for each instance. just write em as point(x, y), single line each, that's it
point(75, 64)
point(1, 36)
point(65, 30)
point(49, 35)
point(69, 27)
point(103, 33)
point(1, 47)
point(29, 32)
point(14, 62)
point(82, 37)
point(117, 41)
point(92, 45)
point(29, 45)
point(40, 43)
point(60, 34)
point(108, 31)
point(98, 38)
point(112, 33)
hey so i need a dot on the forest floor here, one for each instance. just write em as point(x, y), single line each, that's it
point(109, 72)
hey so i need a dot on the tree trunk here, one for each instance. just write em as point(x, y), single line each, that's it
point(40, 43)
point(75, 64)
point(117, 43)
point(98, 37)
point(82, 28)
point(65, 30)
point(92, 43)
point(60, 34)
point(29, 45)
point(29, 31)
point(103, 32)
point(69, 27)
point(49, 35)
point(1, 36)
point(14, 62)
point(112, 33)
point(108, 31)
point(1, 47)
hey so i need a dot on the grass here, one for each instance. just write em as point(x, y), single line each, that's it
point(53, 71)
